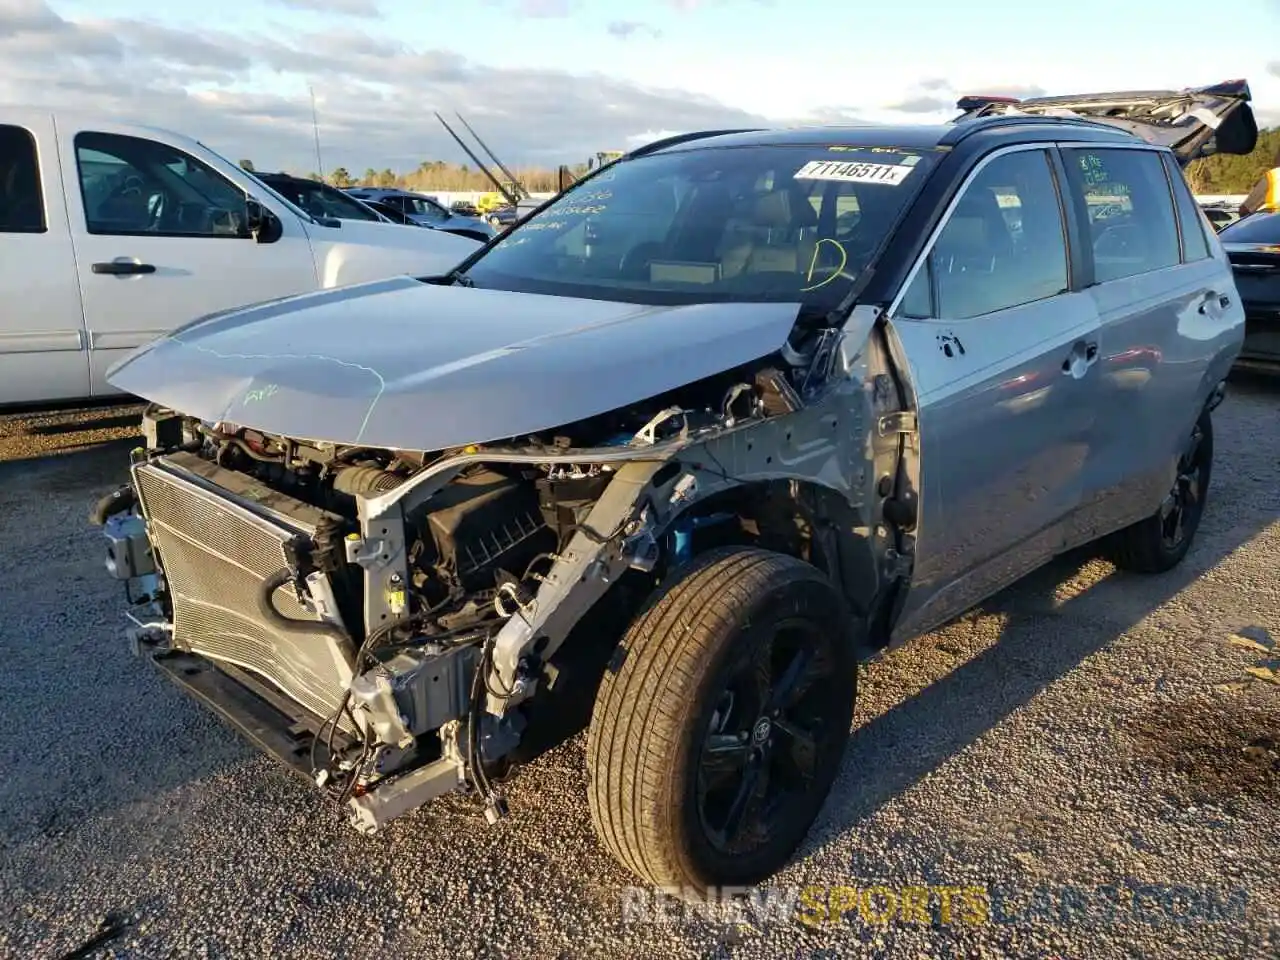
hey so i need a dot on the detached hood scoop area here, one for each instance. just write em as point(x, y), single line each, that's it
point(414, 366)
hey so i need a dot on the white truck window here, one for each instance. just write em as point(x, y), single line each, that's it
point(21, 203)
point(134, 186)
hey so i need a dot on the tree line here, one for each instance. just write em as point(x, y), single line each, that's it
point(439, 175)
point(1227, 174)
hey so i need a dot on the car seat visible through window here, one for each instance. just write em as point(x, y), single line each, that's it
point(775, 233)
point(973, 254)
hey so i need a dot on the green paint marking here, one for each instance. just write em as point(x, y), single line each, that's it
point(262, 393)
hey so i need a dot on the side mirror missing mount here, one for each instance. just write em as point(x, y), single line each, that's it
point(263, 225)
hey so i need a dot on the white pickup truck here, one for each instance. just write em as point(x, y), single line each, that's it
point(112, 235)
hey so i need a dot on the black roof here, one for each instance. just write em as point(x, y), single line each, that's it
point(1005, 129)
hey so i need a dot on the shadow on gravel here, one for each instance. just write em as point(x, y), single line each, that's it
point(91, 728)
point(1043, 640)
point(118, 422)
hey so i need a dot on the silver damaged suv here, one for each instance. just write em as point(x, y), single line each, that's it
point(667, 460)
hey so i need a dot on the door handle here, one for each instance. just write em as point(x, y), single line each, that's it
point(1222, 300)
point(121, 268)
point(1083, 355)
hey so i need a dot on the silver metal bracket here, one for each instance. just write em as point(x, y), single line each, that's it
point(904, 421)
point(364, 553)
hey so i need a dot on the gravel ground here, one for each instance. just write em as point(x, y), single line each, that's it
point(1083, 734)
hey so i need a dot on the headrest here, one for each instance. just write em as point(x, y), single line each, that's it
point(964, 232)
point(783, 209)
point(978, 202)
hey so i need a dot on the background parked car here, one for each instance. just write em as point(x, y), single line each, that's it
point(319, 199)
point(502, 217)
point(424, 211)
point(1253, 247)
point(464, 208)
point(1220, 214)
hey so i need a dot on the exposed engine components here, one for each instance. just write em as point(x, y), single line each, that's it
point(482, 523)
point(365, 480)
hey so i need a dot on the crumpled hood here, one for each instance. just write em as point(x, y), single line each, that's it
point(414, 366)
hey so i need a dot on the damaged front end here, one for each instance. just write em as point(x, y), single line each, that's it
point(398, 624)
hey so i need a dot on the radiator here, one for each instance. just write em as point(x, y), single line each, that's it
point(220, 536)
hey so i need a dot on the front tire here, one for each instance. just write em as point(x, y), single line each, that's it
point(714, 743)
point(1159, 542)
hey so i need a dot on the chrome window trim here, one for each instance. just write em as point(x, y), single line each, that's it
point(1063, 198)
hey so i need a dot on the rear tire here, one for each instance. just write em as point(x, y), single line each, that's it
point(1159, 542)
point(714, 743)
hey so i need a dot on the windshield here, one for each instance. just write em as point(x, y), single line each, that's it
point(1259, 228)
point(275, 194)
point(763, 223)
point(321, 200)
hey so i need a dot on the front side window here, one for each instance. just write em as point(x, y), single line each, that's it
point(1130, 210)
point(134, 186)
point(21, 201)
point(1003, 244)
point(782, 223)
point(422, 207)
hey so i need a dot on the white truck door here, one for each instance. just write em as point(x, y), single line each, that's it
point(42, 335)
point(160, 228)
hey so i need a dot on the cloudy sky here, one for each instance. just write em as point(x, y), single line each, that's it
point(551, 81)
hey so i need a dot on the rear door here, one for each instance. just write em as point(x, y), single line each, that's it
point(1002, 352)
point(42, 336)
point(159, 240)
point(1166, 305)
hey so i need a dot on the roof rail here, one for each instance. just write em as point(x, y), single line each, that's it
point(963, 127)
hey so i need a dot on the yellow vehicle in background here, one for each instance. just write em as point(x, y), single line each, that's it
point(491, 201)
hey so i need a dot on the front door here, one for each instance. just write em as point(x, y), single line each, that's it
point(1002, 355)
point(160, 240)
point(42, 339)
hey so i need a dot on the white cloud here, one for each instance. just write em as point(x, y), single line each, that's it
point(247, 96)
point(626, 29)
point(347, 8)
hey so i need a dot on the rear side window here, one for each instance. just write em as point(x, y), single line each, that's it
point(1191, 220)
point(21, 202)
point(1002, 246)
point(1130, 211)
